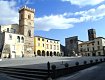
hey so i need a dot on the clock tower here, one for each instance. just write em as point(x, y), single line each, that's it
point(26, 28)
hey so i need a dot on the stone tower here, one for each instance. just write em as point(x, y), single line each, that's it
point(91, 34)
point(26, 28)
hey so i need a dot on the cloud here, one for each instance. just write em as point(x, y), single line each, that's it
point(68, 20)
point(52, 22)
point(84, 2)
point(92, 14)
point(8, 14)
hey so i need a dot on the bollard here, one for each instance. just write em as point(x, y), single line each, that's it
point(48, 67)
point(49, 78)
point(62, 62)
point(53, 69)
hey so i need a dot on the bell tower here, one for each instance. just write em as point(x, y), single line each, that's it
point(91, 34)
point(26, 28)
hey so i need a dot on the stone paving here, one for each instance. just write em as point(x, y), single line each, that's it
point(40, 63)
point(96, 72)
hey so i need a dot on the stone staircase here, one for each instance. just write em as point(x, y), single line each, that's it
point(25, 74)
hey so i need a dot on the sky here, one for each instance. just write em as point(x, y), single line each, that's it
point(59, 19)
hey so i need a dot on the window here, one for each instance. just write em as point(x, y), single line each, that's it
point(47, 46)
point(47, 40)
point(29, 16)
point(71, 41)
point(98, 42)
point(93, 44)
point(93, 48)
point(42, 39)
point(54, 47)
point(13, 52)
point(10, 37)
point(29, 33)
point(87, 49)
point(38, 39)
point(50, 46)
point(22, 39)
point(7, 29)
point(43, 45)
point(18, 38)
point(50, 41)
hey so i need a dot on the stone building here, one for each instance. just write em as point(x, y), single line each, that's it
point(18, 40)
point(46, 47)
point(91, 34)
point(92, 48)
point(95, 46)
point(11, 43)
point(71, 46)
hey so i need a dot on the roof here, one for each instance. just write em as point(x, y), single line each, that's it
point(80, 41)
point(92, 41)
point(99, 37)
point(8, 24)
point(46, 38)
point(71, 37)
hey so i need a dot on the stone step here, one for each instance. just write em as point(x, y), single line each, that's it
point(25, 71)
point(24, 77)
point(25, 74)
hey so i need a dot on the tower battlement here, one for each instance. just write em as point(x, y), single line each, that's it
point(26, 8)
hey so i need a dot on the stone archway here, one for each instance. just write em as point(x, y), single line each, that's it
point(93, 54)
point(43, 53)
point(39, 53)
point(57, 53)
point(88, 54)
point(35, 54)
point(47, 53)
point(54, 53)
point(29, 33)
point(51, 53)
